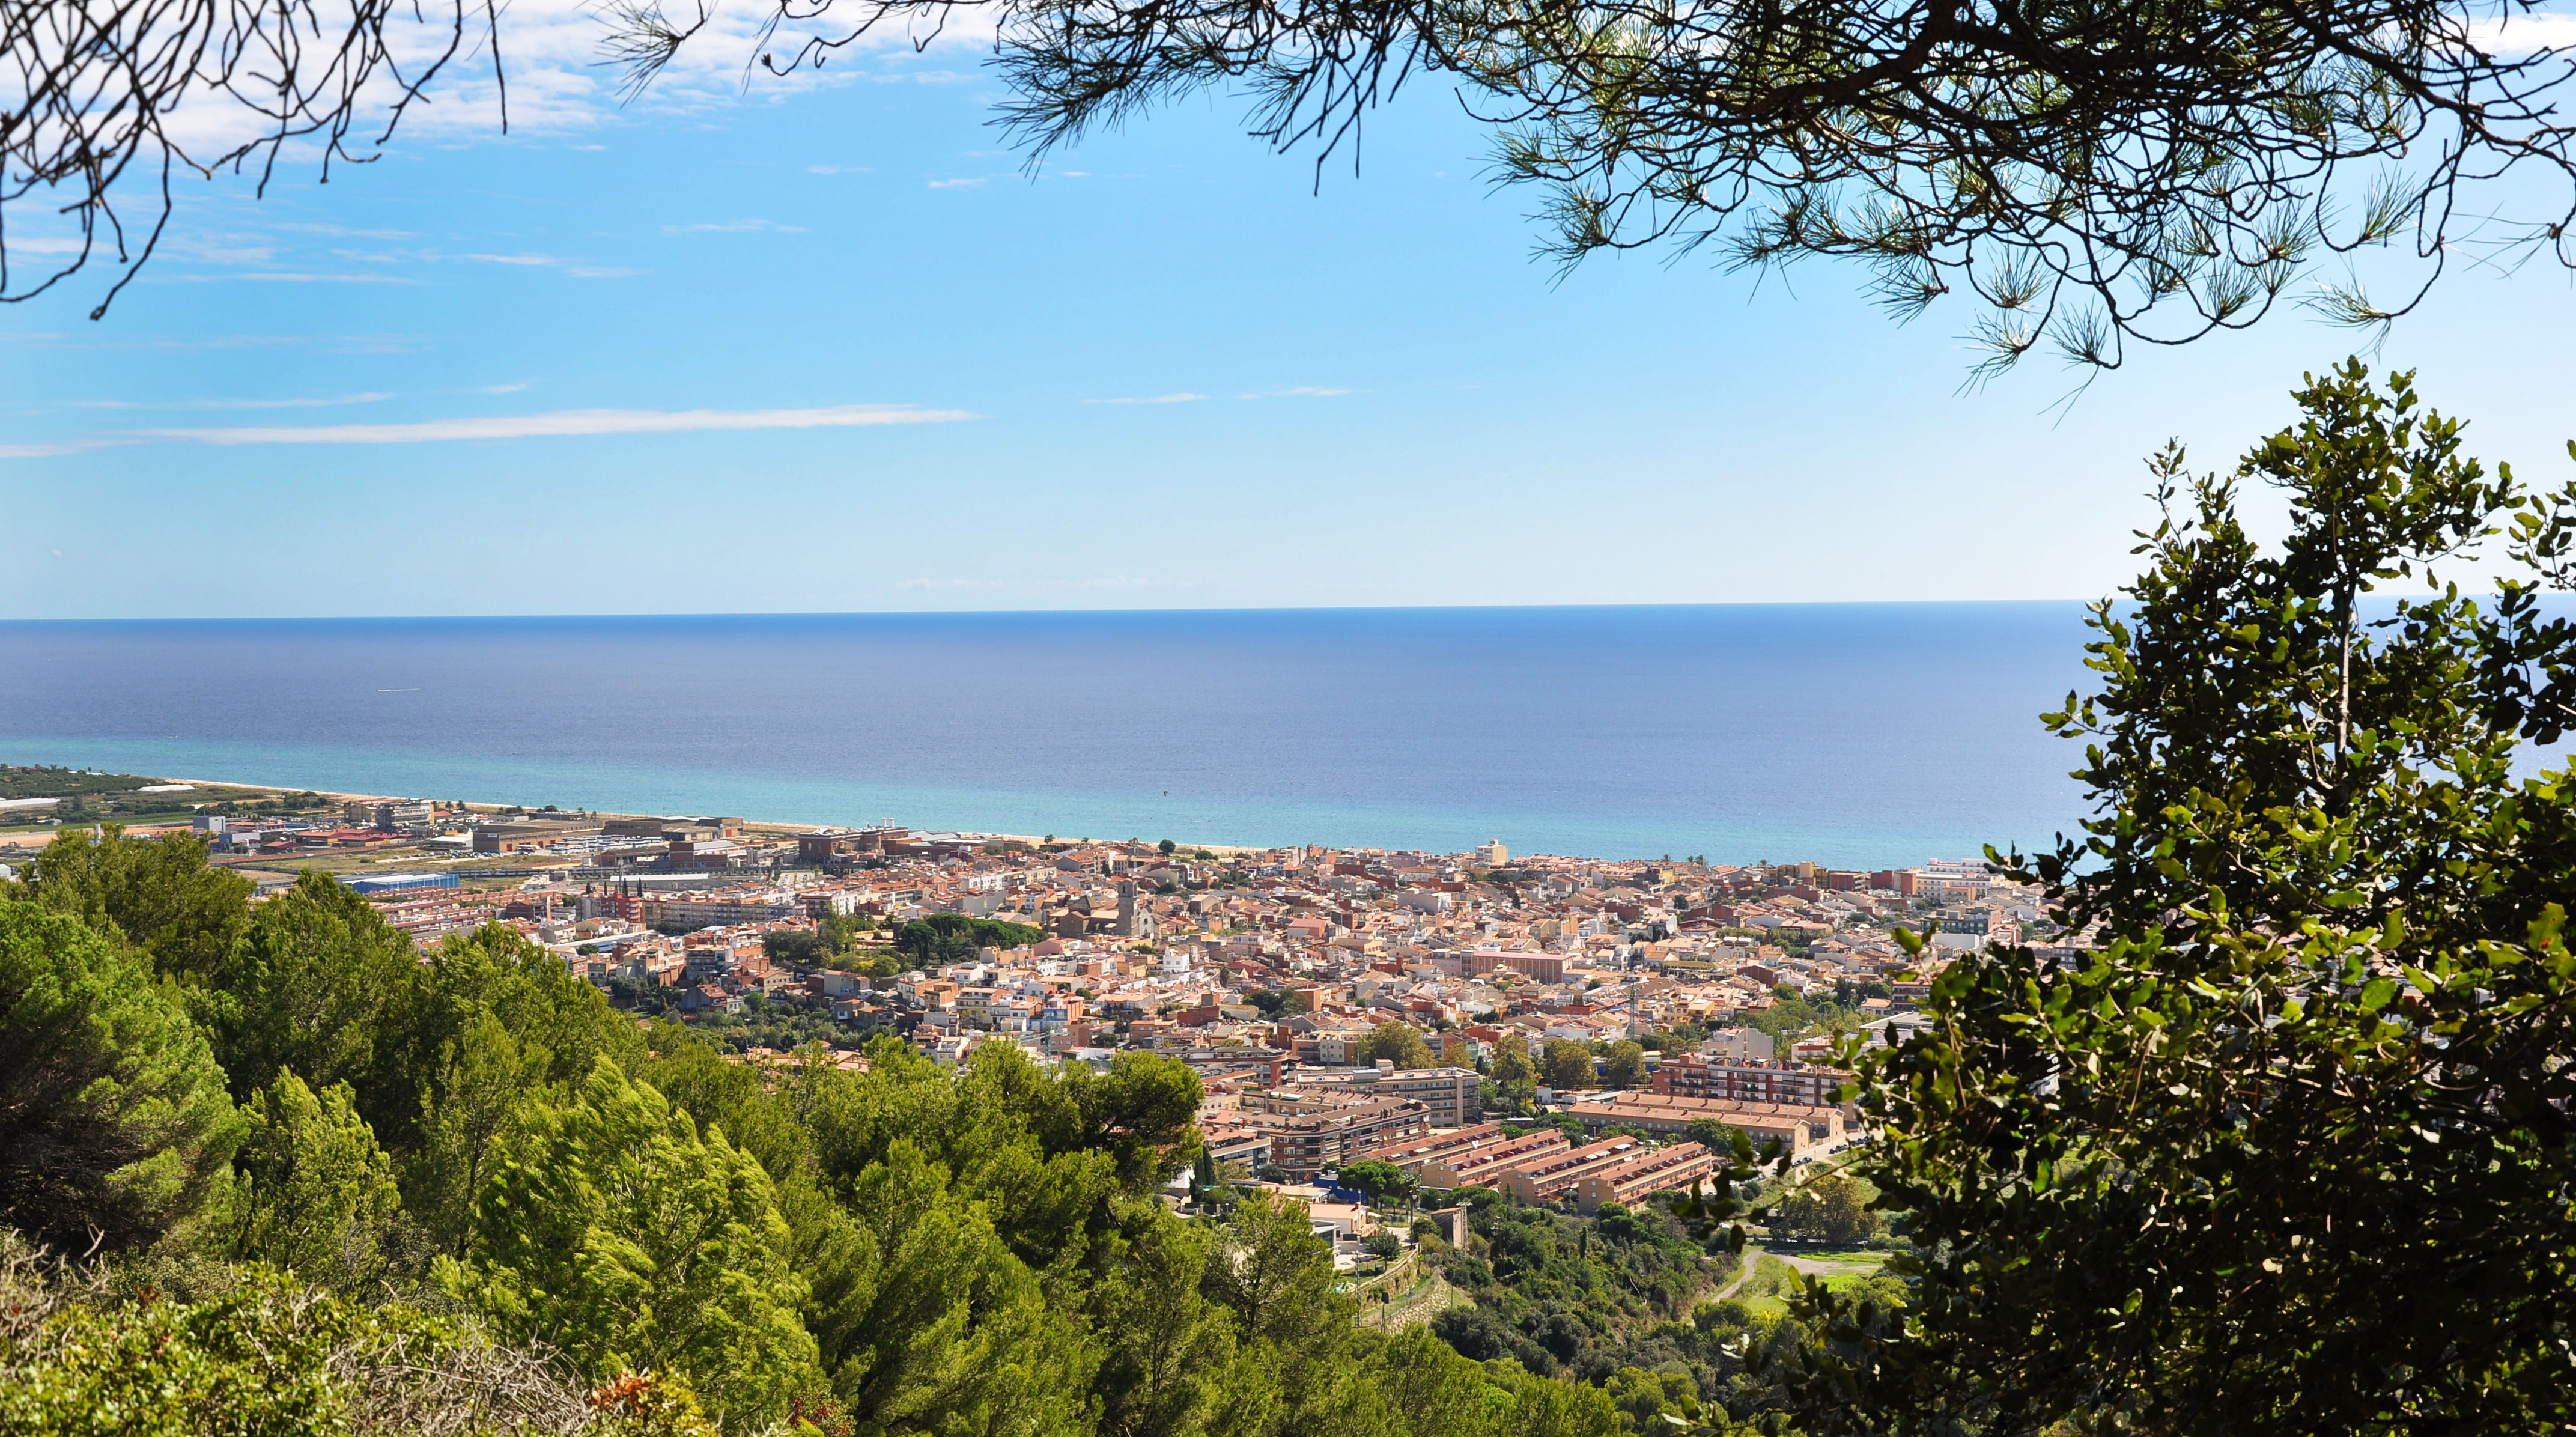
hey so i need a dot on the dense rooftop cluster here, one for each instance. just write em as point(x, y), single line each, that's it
point(1559, 1028)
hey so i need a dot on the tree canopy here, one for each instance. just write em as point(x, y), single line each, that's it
point(2086, 176)
point(1830, 1208)
point(944, 938)
point(159, 895)
point(114, 1121)
point(614, 1229)
point(1397, 1043)
point(1565, 1063)
point(472, 1132)
point(1624, 1066)
point(2288, 1149)
point(1379, 1181)
point(316, 1195)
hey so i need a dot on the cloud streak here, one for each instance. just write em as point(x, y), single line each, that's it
point(275, 277)
point(1303, 391)
point(553, 424)
point(734, 227)
point(577, 269)
point(48, 451)
point(2516, 36)
point(367, 398)
point(564, 422)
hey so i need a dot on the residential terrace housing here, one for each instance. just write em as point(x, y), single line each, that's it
point(1307, 1136)
point(1693, 1075)
point(1633, 1179)
point(1561, 1172)
point(1269, 972)
point(1483, 1164)
point(1796, 1125)
point(1449, 1096)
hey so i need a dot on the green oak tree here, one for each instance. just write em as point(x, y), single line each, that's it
point(1382, 1181)
point(1830, 1208)
point(1568, 1064)
point(1397, 1043)
point(1624, 1066)
point(2289, 1148)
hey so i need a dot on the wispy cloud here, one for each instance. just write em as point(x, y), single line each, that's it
point(839, 170)
point(566, 422)
point(557, 84)
point(313, 403)
point(343, 232)
point(327, 343)
point(1156, 399)
point(1303, 391)
point(964, 184)
point(496, 389)
point(48, 451)
point(734, 227)
point(577, 269)
point(2524, 34)
point(278, 277)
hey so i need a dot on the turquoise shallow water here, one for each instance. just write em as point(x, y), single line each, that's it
point(1850, 734)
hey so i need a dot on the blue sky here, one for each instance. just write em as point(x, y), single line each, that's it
point(1165, 372)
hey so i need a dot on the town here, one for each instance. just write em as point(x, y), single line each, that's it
point(1562, 1030)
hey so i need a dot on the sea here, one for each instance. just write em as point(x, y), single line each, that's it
point(1855, 735)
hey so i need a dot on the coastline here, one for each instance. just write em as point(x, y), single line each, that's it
point(776, 828)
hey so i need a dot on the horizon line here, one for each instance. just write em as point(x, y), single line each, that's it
point(1034, 613)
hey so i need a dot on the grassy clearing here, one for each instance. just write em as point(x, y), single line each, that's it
point(1850, 1267)
point(1866, 1259)
point(1761, 1293)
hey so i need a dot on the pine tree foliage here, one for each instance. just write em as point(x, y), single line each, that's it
point(615, 1230)
point(316, 1196)
point(115, 1127)
point(158, 895)
point(2084, 176)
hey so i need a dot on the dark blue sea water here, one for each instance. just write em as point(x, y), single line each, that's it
point(1860, 734)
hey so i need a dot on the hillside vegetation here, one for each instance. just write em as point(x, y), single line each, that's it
point(295, 1145)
